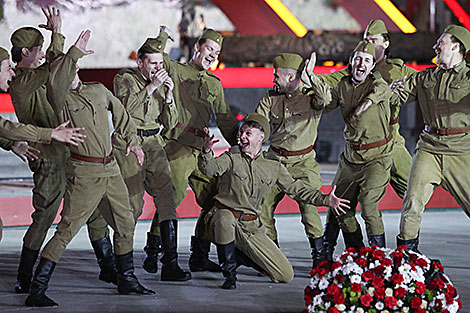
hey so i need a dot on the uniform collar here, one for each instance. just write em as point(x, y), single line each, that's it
point(455, 69)
point(195, 66)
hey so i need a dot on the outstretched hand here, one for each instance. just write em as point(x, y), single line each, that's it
point(24, 151)
point(209, 141)
point(54, 21)
point(139, 153)
point(309, 67)
point(337, 204)
point(364, 106)
point(82, 42)
point(68, 135)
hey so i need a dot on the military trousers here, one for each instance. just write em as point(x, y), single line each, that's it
point(401, 164)
point(154, 177)
point(365, 184)
point(184, 171)
point(250, 238)
point(428, 171)
point(82, 196)
point(307, 170)
point(48, 192)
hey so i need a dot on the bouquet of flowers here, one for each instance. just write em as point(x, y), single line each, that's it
point(379, 280)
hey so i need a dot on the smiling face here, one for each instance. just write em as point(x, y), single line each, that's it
point(150, 64)
point(6, 75)
point(361, 64)
point(206, 54)
point(250, 139)
point(445, 49)
point(380, 45)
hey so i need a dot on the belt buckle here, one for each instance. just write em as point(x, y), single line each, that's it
point(240, 218)
point(438, 132)
point(104, 160)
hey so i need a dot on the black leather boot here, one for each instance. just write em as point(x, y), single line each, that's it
point(228, 264)
point(353, 240)
point(317, 250)
point(199, 258)
point(106, 260)
point(330, 239)
point(127, 281)
point(152, 249)
point(25, 269)
point(378, 240)
point(171, 271)
point(37, 294)
point(412, 244)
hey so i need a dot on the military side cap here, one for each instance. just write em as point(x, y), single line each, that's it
point(4, 54)
point(366, 47)
point(461, 33)
point(262, 120)
point(288, 60)
point(213, 35)
point(375, 27)
point(26, 37)
point(155, 45)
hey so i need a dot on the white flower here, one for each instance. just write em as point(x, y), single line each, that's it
point(400, 303)
point(424, 304)
point(370, 291)
point(389, 292)
point(356, 279)
point(341, 307)
point(453, 308)
point(360, 310)
point(323, 284)
point(405, 309)
point(317, 300)
point(379, 305)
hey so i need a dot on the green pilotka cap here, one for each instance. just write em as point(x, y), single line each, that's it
point(155, 45)
point(366, 47)
point(262, 120)
point(26, 37)
point(288, 60)
point(4, 55)
point(375, 27)
point(212, 35)
point(461, 33)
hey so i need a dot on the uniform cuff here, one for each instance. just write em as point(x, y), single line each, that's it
point(75, 53)
point(45, 135)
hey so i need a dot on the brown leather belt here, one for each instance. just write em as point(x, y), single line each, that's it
point(147, 132)
point(238, 215)
point(190, 129)
point(446, 131)
point(394, 121)
point(91, 159)
point(360, 146)
point(284, 152)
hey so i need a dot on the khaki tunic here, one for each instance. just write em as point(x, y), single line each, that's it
point(443, 96)
point(197, 94)
point(363, 175)
point(16, 131)
point(243, 183)
point(148, 112)
point(89, 183)
point(295, 122)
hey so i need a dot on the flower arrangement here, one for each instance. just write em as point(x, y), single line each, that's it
point(379, 280)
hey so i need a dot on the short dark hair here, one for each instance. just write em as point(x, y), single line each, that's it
point(350, 57)
point(254, 124)
point(201, 41)
point(386, 38)
point(462, 49)
point(142, 52)
point(16, 55)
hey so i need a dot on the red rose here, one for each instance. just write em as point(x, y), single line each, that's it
point(438, 304)
point(364, 251)
point(386, 262)
point(377, 282)
point(316, 292)
point(439, 283)
point(460, 304)
point(379, 293)
point(452, 291)
point(438, 267)
point(420, 310)
point(335, 265)
point(402, 248)
point(400, 292)
point(308, 299)
point(339, 278)
point(422, 262)
point(366, 299)
point(379, 270)
point(390, 302)
point(333, 310)
point(397, 278)
point(361, 262)
point(352, 250)
point(367, 275)
point(412, 265)
point(413, 257)
point(313, 271)
point(339, 298)
point(397, 257)
point(333, 289)
point(416, 302)
point(420, 288)
point(325, 298)
point(356, 287)
point(449, 299)
point(378, 254)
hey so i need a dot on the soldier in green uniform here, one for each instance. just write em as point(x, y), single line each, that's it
point(246, 175)
point(92, 172)
point(442, 153)
point(198, 93)
point(390, 69)
point(291, 107)
point(364, 166)
point(147, 94)
point(11, 132)
point(28, 94)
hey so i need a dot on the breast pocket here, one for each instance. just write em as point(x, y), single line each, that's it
point(458, 90)
point(75, 108)
point(429, 89)
point(241, 176)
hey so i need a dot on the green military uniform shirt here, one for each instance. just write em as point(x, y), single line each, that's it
point(17, 131)
point(147, 111)
point(370, 126)
point(244, 182)
point(197, 94)
point(295, 116)
point(444, 98)
point(87, 107)
point(28, 95)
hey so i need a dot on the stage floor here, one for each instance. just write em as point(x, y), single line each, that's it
point(445, 234)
